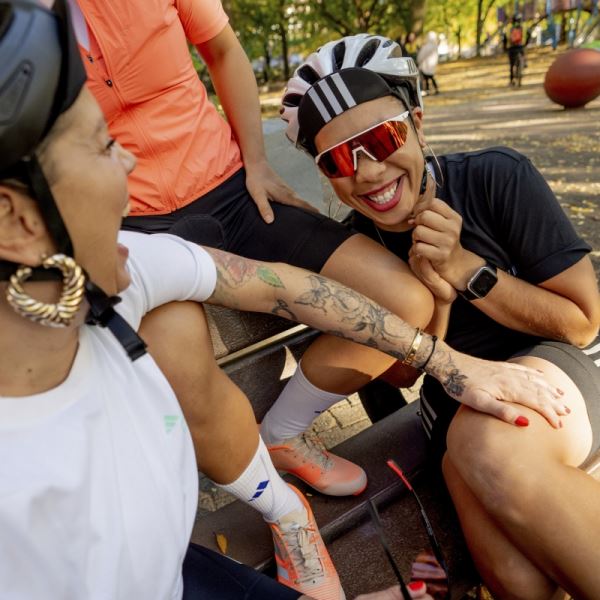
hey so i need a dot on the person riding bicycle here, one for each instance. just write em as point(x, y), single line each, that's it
point(516, 42)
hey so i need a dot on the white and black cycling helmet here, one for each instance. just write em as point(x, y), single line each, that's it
point(342, 74)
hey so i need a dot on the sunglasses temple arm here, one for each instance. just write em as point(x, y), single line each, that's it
point(435, 546)
point(379, 527)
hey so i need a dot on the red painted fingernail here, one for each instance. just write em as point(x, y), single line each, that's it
point(560, 424)
point(416, 586)
point(522, 421)
point(567, 410)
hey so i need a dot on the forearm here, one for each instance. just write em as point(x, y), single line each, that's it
point(326, 305)
point(531, 309)
point(441, 317)
point(235, 84)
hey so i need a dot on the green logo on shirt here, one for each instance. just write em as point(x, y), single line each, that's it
point(171, 421)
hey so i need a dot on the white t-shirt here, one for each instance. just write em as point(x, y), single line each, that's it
point(98, 480)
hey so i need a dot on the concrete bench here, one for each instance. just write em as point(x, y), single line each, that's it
point(259, 352)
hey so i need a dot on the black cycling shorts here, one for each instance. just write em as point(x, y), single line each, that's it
point(227, 218)
point(211, 576)
point(582, 366)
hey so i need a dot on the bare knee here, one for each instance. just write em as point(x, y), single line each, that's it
point(497, 471)
point(179, 340)
point(383, 277)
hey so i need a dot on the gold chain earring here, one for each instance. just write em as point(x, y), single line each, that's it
point(63, 312)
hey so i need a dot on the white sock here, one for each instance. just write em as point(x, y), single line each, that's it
point(298, 405)
point(261, 486)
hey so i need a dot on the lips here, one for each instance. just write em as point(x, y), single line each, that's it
point(385, 198)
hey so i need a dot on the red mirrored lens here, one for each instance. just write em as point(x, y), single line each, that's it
point(380, 142)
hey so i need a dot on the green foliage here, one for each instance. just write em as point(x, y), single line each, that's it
point(272, 30)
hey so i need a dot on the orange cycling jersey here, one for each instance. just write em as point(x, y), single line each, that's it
point(141, 73)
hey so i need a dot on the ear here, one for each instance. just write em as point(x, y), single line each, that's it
point(417, 117)
point(24, 238)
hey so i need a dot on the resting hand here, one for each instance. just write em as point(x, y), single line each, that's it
point(497, 388)
point(264, 184)
point(418, 591)
point(437, 285)
point(436, 237)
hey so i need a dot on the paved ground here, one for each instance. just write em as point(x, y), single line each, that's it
point(477, 109)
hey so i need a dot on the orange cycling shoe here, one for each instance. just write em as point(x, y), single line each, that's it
point(305, 457)
point(303, 562)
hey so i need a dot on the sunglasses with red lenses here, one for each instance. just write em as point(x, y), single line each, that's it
point(377, 142)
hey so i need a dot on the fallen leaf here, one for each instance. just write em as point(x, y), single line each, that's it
point(221, 542)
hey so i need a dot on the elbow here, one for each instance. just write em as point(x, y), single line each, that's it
point(585, 334)
point(588, 336)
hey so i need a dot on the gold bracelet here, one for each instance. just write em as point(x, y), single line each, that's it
point(414, 348)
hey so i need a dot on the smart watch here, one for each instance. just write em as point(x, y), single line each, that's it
point(479, 286)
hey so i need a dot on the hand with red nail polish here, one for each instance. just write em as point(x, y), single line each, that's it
point(498, 388)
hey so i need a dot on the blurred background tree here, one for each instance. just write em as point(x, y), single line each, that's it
point(278, 34)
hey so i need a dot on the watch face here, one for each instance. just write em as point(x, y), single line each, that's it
point(483, 282)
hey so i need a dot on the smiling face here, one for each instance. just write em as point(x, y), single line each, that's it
point(88, 178)
point(386, 191)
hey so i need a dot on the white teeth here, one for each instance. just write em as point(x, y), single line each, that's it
point(385, 197)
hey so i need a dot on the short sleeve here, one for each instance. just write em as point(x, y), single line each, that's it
point(202, 20)
point(164, 268)
point(531, 225)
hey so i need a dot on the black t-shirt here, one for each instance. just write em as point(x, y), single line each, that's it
point(512, 219)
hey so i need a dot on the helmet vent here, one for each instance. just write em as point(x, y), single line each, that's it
point(291, 100)
point(367, 52)
point(387, 43)
point(339, 51)
point(307, 73)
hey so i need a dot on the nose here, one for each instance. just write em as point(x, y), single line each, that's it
point(127, 159)
point(367, 169)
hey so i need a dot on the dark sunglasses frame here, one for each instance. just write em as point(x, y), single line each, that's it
point(435, 546)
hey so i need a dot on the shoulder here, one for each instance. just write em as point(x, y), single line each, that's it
point(496, 157)
point(489, 167)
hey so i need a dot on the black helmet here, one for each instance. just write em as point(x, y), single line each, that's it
point(41, 76)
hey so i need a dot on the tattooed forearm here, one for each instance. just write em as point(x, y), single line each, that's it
point(235, 271)
point(329, 306)
point(350, 306)
point(282, 309)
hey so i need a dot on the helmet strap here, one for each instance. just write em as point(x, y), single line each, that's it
point(102, 313)
point(423, 180)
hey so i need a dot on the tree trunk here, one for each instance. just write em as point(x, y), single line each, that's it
point(284, 41)
point(284, 51)
point(267, 65)
point(417, 16)
point(479, 27)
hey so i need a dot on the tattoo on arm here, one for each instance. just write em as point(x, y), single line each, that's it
point(282, 309)
point(383, 330)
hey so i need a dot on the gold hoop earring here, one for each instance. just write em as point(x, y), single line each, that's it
point(63, 312)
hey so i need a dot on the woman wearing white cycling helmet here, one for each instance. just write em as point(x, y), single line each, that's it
point(485, 233)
